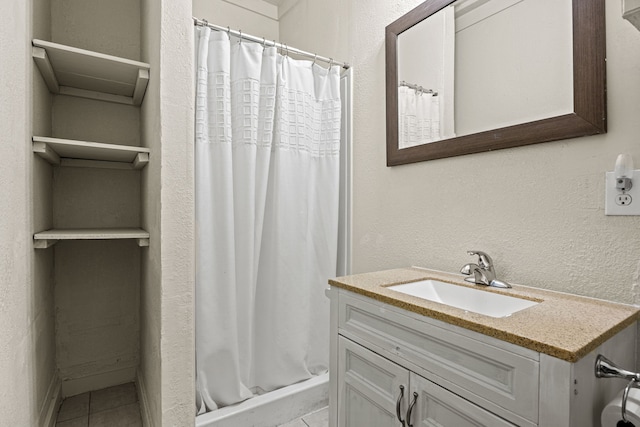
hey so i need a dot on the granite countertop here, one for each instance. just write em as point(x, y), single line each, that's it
point(562, 325)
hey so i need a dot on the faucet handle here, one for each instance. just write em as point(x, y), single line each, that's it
point(484, 260)
point(466, 269)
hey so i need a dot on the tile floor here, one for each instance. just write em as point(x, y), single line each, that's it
point(319, 418)
point(118, 407)
point(113, 407)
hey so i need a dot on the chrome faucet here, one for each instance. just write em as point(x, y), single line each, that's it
point(483, 272)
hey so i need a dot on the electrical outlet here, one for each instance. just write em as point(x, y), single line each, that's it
point(618, 203)
point(623, 200)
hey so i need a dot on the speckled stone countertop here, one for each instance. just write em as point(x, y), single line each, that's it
point(562, 325)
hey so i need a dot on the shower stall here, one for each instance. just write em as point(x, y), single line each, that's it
point(273, 167)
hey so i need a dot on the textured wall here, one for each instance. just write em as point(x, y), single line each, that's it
point(97, 283)
point(150, 375)
point(96, 313)
point(27, 346)
point(177, 95)
point(167, 331)
point(223, 13)
point(111, 27)
point(17, 404)
point(538, 210)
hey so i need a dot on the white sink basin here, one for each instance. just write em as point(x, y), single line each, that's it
point(462, 297)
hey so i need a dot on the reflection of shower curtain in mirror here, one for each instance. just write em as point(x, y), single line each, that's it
point(418, 116)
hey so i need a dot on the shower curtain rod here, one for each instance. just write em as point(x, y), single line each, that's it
point(261, 40)
point(418, 88)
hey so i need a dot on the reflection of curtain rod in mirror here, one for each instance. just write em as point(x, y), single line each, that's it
point(418, 88)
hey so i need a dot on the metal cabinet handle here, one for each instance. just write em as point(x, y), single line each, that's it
point(398, 405)
point(415, 399)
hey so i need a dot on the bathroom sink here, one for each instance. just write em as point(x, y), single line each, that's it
point(465, 298)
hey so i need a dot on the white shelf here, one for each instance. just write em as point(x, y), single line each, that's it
point(78, 72)
point(69, 152)
point(49, 238)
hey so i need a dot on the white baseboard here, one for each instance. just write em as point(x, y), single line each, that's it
point(51, 403)
point(144, 400)
point(76, 386)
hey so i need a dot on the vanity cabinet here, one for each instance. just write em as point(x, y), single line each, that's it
point(383, 358)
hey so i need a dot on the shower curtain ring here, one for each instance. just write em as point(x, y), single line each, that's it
point(315, 56)
point(330, 63)
point(264, 43)
point(240, 41)
point(205, 22)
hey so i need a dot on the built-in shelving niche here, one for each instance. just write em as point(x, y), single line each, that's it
point(78, 72)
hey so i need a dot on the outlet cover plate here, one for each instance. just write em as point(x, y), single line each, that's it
point(610, 193)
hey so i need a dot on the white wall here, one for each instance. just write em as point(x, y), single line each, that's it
point(237, 17)
point(27, 346)
point(538, 210)
point(17, 400)
point(319, 27)
point(166, 374)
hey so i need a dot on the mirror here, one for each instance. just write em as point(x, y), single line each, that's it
point(468, 76)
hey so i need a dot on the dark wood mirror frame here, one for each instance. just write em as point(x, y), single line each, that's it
point(589, 115)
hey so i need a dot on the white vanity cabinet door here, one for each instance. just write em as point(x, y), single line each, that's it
point(369, 388)
point(438, 407)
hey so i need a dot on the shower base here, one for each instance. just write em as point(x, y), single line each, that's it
point(273, 408)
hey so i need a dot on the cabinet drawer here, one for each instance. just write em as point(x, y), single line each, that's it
point(467, 366)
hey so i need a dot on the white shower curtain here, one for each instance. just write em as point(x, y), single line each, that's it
point(418, 116)
point(267, 172)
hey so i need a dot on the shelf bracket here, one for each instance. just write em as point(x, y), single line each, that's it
point(142, 242)
point(44, 243)
point(44, 65)
point(43, 150)
point(141, 86)
point(141, 160)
